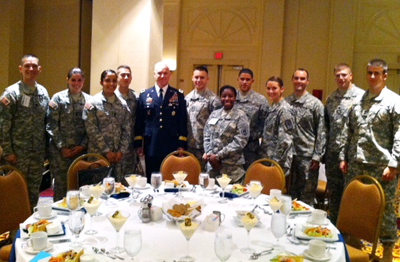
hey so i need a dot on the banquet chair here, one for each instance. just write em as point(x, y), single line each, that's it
point(14, 203)
point(271, 177)
point(360, 216)
point(82, 163)
point(181, 161)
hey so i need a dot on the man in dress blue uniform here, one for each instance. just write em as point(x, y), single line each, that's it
point(161, 121)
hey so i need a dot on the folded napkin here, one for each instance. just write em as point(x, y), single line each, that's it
point(229, 195)
point(171, 190)
point(120, 195)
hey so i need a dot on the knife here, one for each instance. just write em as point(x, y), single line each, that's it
point(57, 241)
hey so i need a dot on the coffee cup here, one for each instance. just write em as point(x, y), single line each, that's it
point(211, 183)
point(43, 210)
point(53, 228)
point(317, 248)
point(318, 216)
point(85, 190)
point(275, 193)
point(87, 258)
point(141, 182)
point(37, 240)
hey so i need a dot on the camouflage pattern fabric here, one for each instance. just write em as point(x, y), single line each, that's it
point(226, 134)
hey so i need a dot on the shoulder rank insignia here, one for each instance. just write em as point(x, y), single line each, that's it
point(53, 104)
point(5, 101)
point(143, 90)
point(181, 91)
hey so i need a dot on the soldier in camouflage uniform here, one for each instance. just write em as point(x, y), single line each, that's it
point(336, 110)
point(255, 106)
point(200, 103)
point(371, 144)
point(308, 140)
point(66, 129)
point(225, 136)
point(23, 112)
point(129, 160)
point(277, 142)
point(108, 123)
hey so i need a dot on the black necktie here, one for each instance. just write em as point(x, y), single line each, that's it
point(161, 94)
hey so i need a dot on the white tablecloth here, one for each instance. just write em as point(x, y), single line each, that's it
point(163, 241)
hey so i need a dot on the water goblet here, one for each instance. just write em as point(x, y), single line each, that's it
point(180, 177)
point(73, 199)
point(203, 181)
point(132, 180)
point(117, 220)
point(188, 227)
point(132, 242)
point(223, 245)
point(278, 229)
point(109, 187)
point(223, 182)
point(91, 206)
point(248, 221)
point(76, 223)
point(156, 181)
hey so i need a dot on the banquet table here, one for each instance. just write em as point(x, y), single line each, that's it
point(163, 241)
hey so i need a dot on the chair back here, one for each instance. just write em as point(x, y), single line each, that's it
point(181, 161)
point(14, 199)
point(361, 210)
point(271, 177)
point(81, 164)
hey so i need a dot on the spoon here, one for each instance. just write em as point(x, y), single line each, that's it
point(109, 254)
point(97, 251)
point(255, 256)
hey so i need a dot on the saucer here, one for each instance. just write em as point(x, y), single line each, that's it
point(147, 186)
point(325, 223)
point(327, 256)
point(212, 188)
point(52, 215)
point(30, 250)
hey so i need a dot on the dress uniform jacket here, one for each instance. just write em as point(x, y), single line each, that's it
point(161, 126)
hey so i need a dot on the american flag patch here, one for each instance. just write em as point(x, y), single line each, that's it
point(88, 106)
point(53, 104)
point(5, 101)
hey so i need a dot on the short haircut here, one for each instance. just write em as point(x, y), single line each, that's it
point(275, 79)
point(124, 67)
point(378, 63)
point(201, 68)
point(301, 69)
point(227, 87)
point(106, 72)
point(341, 66)
point(246, 71)
point(74, 71)
point(27, 56)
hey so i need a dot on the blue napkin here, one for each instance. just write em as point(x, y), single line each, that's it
point(40, 256)
point(171, 190)
point(120, 195)
point(229, 195)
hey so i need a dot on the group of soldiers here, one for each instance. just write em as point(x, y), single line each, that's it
point(356, 132)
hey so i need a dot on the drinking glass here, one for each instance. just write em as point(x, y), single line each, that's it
point(248, 224)
point(91, 209)
point(286, 204)
point(278, 229)
point(203, 181)
point(156, 181)
point(132, 242)
point(73, 199)
point(132, 180)
point(223, 245)
point(255, 188)
point(76, 223)
point(117, 220)
point(109, 187)
point(188, 232)
point(223, 182)
point(180, 177)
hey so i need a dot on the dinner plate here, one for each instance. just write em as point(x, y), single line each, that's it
point(327, 256)
point(25, 235)
point(300, 234)
point(147, 186)
point(52, 215)
point(176, 189)
point(31, 251)
point(302, 211)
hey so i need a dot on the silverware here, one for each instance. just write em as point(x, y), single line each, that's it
point(98, 251)
point(255, 255)
point(108, 253)
point(60, 241)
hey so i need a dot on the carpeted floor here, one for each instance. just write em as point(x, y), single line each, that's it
point(379, 252)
